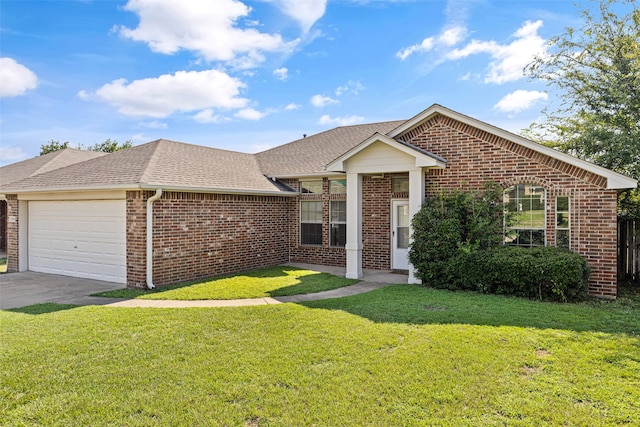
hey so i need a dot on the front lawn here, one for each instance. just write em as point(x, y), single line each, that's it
point(399, 356)
point(264, 282)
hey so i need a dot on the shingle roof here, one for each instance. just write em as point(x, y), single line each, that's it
point(159, 163)
point(45, 163)
point(311, 154)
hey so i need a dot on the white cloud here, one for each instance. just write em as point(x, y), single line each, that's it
point(306, 12)
point(352, 87)
point(208, 28)
point(250, 114)
point(281, 73)
point(448, 37)
point(12, 154)
point(162, 96)
point(208, 116)
point(520, 100)
point(293, 106)
point(508, 60)
point(15, 78)
point(339, 121)
point(153, 125)
point(322, 101)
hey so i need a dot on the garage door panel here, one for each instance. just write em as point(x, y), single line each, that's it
point(79, 238)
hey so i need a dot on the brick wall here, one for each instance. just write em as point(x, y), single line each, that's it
point(204, 235)
point(12, 233)
point(475, 157)
point(324, 254)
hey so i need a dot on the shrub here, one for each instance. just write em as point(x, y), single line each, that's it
point(448, 223)
point(456, 245)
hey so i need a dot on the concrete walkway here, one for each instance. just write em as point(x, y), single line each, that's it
point(28, 288)
point(372, 279)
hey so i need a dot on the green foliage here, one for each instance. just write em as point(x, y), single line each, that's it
point(52, 146)
point(456, 245)
point(448, 223)
point(546, 273)
point(597, 70)
point(108, 146)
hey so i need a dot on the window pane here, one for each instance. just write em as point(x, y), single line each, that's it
point(338, 186)
point(311, 234)
point(562, 220)
point(525, 215)
point(562, 204)
point(311, 211)
point(537, 237)
point(537, 218)
point(403, 237)
point(338, 234)
point(338, 211)
point(400, 184)
point(403, 216)
point(563, 238)
point(314, 187)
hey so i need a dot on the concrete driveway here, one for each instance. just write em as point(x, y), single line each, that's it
point(28, 288)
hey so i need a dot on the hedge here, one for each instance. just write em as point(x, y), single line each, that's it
point(546, 273)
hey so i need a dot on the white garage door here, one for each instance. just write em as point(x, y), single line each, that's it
point(79, 238)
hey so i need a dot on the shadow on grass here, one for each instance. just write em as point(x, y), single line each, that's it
point(307, 282)
point(413, 304)
point(48, 307)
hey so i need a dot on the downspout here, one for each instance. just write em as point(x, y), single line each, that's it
point(150, 201)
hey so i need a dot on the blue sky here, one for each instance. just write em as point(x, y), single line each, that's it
point(250, 75)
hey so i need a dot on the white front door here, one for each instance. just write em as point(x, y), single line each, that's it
point(400, 220)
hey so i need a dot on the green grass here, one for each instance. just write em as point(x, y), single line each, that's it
point(3, 265)
point(265, 282)
point(399, 356)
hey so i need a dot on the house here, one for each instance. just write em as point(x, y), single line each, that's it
point(166, 211)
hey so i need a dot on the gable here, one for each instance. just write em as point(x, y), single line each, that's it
point(379, 153)
point(423, 131)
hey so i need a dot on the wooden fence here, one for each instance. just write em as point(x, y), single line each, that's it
point(628, 249)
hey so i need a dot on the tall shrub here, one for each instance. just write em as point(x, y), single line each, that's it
point(453, 222)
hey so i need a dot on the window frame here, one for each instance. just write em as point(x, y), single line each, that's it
point(525, 236)
point(563, 230)
point(306, 221)
point(337, 224)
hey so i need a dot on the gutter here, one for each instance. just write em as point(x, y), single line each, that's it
point(150, 201)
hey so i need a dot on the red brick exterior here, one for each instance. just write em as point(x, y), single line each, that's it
point(13, 222)
point(475, 157)
point(325, 254)
point(199, 235)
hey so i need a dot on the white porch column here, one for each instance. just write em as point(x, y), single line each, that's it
point(353, 246)
point(416, 198)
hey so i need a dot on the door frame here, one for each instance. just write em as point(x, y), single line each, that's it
point(394, 221)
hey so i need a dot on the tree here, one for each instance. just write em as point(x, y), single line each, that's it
point(52, 146)
point(108, 146)
point(596, 69)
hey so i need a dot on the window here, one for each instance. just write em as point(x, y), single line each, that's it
point(338, 186)
point(338, 222)
point(524, 215)
point(400, 184)
point(311, 222)
point(563, 225)
point(311, 187)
